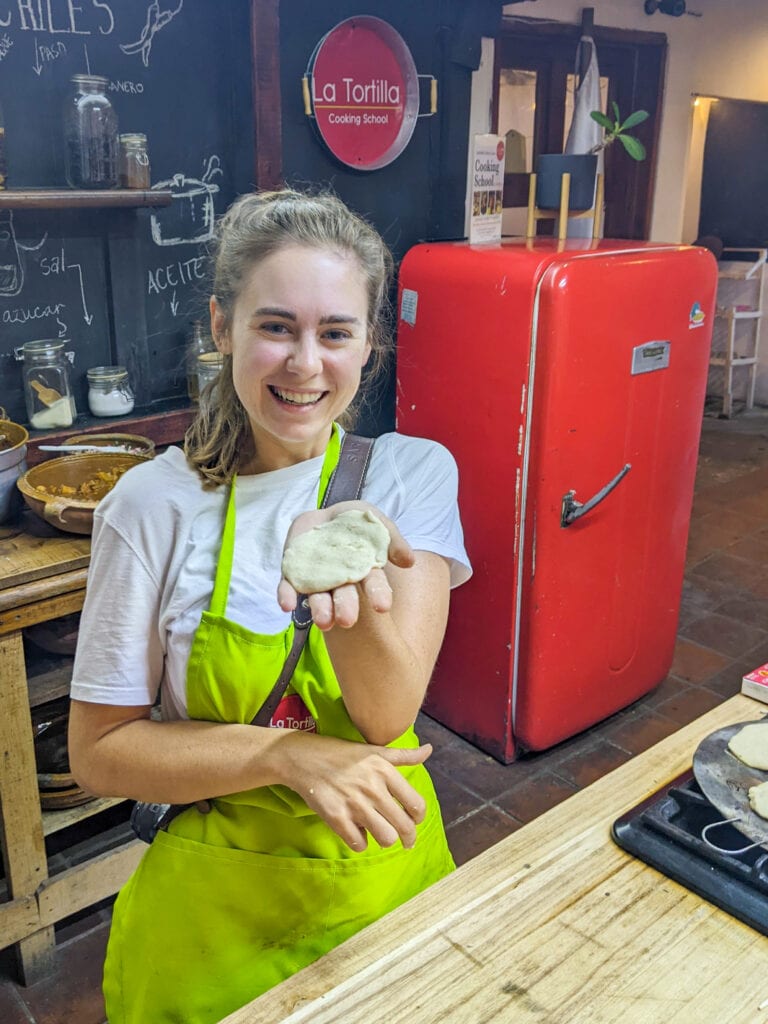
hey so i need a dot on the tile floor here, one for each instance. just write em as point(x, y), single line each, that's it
point(723, 633)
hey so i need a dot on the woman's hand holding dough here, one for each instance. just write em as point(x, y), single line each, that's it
point(338, 604)
point(356, 787)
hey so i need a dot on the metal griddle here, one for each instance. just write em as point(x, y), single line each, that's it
point(725, 781)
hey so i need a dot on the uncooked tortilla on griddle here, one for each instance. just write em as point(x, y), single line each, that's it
point(341, 551)
point(758, 799)
point(750, 745)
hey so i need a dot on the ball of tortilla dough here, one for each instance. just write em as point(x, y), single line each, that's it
point(341, 551)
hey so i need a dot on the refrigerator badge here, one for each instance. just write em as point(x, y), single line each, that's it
point(696, 317)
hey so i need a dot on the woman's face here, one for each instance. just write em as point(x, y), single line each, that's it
point(299, 341)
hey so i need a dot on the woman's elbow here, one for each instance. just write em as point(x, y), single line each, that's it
point(84, 764)
point(90, 741)
point(381, 734)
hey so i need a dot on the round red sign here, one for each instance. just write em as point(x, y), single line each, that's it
point(365, 93)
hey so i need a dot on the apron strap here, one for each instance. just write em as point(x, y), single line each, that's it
point(218, 605)
point(345, 484)
point(347, 480)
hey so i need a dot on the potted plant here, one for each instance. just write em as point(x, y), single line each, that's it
point(582, 167)
point(617, 129)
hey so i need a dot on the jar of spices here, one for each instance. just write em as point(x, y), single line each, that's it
point(208, 366)
point(134, 161)
point(90, 135)
point(109, 391)
point(47, 390)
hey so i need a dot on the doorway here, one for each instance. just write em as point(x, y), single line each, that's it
point(533, 86)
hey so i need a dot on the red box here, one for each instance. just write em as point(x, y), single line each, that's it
point(755, 684)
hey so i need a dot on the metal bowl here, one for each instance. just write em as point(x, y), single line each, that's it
point(134, 444)
point(13, 452)
point(70, 513)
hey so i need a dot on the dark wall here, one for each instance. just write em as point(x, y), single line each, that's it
point(120, 285)
point(108, 281)
point(735, 173)
point(421, 194)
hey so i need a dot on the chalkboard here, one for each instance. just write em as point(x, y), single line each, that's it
point(734, 193)
point(121, 285)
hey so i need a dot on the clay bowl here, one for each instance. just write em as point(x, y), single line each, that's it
point(71, 513)
point(134, 444)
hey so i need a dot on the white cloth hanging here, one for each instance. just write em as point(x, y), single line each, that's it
point(585, 133)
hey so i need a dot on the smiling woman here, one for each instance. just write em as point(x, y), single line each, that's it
point(298, 340)
point(324, 819)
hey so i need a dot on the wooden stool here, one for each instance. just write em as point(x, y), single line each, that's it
point(564, 214)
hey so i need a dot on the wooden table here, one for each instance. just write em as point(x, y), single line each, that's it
point(42, 577)
point(554, 925)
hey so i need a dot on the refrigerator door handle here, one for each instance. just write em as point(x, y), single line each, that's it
point(573, 510)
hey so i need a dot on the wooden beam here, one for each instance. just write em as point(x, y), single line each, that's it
point(77, 888)
point(268, 134)
point(37, 589)
point(16, 619)
point(19, 918)
point(21, 828)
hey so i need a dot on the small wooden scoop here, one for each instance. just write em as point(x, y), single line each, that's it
point(46, 395)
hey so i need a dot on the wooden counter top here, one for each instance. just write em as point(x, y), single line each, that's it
point(33, 550)
point(554, 925)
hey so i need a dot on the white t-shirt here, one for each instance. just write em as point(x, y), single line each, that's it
point(156, 542)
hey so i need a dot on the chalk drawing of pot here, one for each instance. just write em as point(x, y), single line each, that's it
point(190, 217)
point(11, 263)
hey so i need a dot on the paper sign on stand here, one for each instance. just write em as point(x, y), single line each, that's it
point(487, 188)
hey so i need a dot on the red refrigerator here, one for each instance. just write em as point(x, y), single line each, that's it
point(568, 382)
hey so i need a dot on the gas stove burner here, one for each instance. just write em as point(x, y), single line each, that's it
point(665, 831)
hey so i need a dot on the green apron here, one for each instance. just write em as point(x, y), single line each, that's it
point(225, 905)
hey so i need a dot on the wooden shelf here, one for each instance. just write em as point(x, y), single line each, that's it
point(71, 198)
point(163, 427)
point(742, 268)
point(55, 821)
point(736, 361)
point(747, 267)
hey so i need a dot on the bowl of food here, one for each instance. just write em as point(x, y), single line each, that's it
point(133, 444)
point(65, 491)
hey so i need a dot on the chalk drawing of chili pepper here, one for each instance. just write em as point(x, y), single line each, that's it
point(156, 19)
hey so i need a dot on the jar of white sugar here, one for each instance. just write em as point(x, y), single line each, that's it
point(109, 391)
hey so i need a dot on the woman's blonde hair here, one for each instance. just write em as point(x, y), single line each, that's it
point(257, 225)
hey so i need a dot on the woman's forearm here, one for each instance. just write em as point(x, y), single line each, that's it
point(384, 662)
point(356, 788)
point(170, 762)
point(381, 679)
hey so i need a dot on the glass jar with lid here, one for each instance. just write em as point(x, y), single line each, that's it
point(134, 161)
point(209, 365)
point(47, 389)
point(109, 391)
point(90, 135)
point(200, 343)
